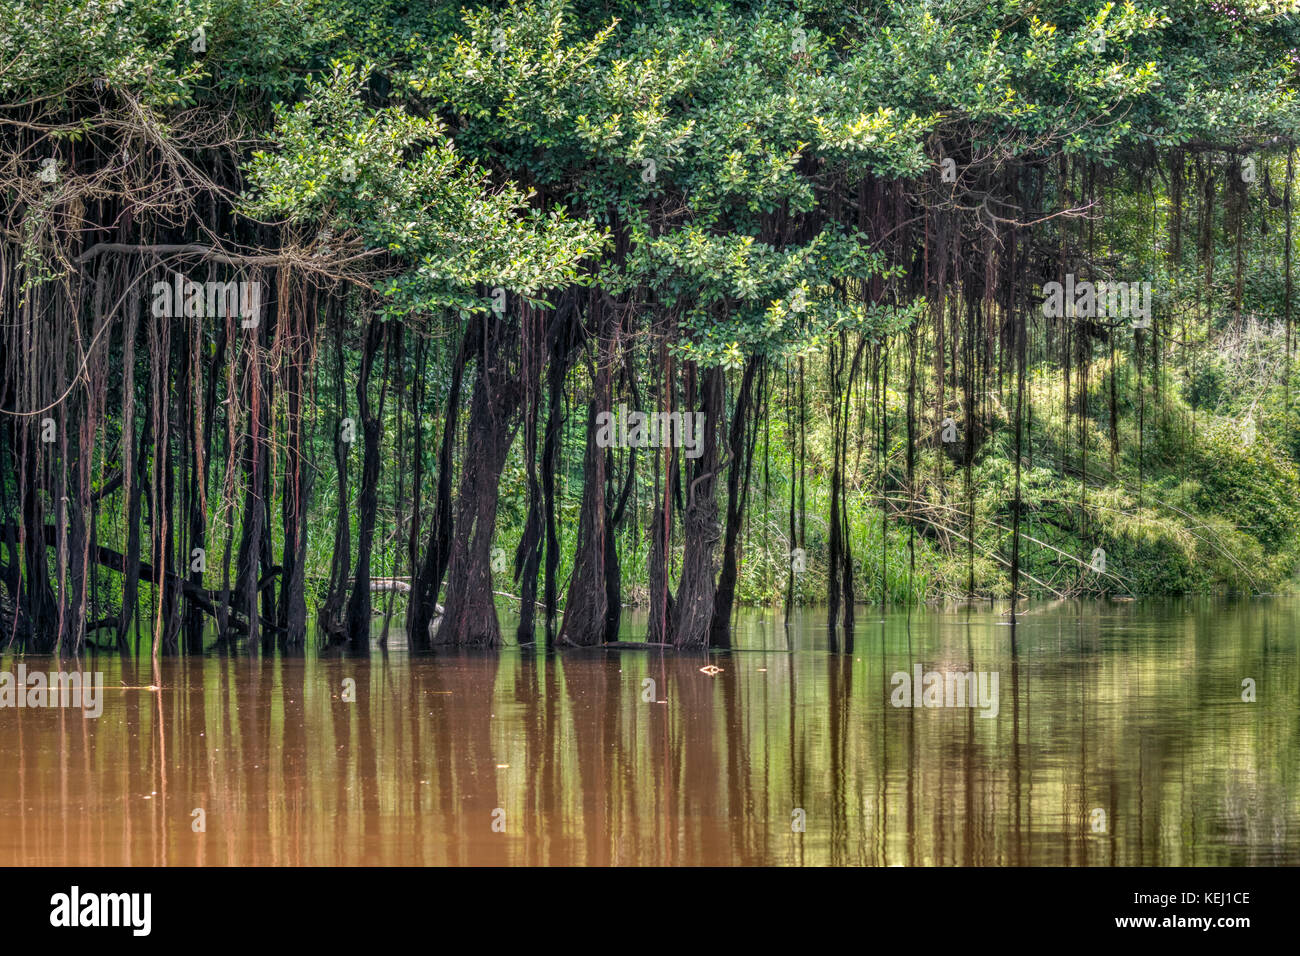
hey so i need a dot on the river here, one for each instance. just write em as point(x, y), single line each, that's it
point(1110, 733)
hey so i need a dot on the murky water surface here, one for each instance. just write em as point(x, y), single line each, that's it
point(1120, 737)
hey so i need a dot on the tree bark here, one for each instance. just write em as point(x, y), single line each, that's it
point(697, 589)
point(471, 615)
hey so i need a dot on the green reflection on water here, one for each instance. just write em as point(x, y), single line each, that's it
point(1133, 710)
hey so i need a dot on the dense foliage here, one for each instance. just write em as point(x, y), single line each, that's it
point(830, 231)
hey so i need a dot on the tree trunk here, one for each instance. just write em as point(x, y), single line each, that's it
point(697, 589)
point(742, 451)
point(471, 616)
point(357, 622)
point(428, 581)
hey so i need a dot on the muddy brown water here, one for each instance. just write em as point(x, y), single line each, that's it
point(1120, 736)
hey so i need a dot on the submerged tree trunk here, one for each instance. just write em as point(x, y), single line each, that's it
point(528, 555)
point(564, 343)
point(741, 447)
point(359, 605)
point(587, 604)
point(471, 616)
point(428, 581)
point(298, 476)
point(344, 435)
point(662, 606)
point(693, 613)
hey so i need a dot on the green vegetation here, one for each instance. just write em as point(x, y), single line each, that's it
point(831, 232)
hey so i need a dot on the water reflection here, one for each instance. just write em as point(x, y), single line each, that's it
point(1121, 737)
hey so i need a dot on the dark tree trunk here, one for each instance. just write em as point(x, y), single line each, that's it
point(297, 483)
point(357, 623)
point(588, 598)
point(331, 613)
point(697, 589)
point(471, 615)
point(528, 556)
point(196, 532)
point(586, 604)
point(613, 574)
point(662, 605)
point(255, 511)
point(424, 591)
point(132, 470)
point(741, 443)
point(564, 342)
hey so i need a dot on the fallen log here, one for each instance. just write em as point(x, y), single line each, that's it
point(202, 598)
point(390, 584)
